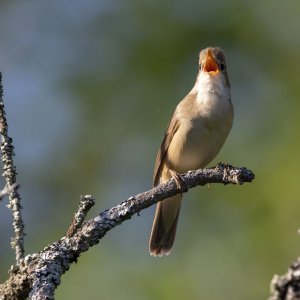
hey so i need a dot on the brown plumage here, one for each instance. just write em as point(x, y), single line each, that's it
point(196, 133)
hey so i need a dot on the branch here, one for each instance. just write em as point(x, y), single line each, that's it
point(10, 174)
point(287, 286)
point(38, 275)
point(86, 203)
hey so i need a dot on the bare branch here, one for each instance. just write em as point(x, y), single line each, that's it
point(10, 174)
point(38, 275)
point(86, 203)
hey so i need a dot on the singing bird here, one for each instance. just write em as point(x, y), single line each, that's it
point(196, 133)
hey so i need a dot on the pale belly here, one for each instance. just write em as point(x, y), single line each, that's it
point(197, 143)
point(205, 118)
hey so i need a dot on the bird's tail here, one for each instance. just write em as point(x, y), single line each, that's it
point(164, 226)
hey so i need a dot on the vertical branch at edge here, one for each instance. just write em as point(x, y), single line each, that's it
point(7, 152)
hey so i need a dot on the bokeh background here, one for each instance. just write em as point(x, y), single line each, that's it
point(89, 89)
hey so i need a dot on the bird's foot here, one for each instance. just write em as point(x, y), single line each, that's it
point(181, 185)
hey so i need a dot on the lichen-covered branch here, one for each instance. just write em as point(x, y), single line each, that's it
point(7, 152)
point(39, 274)
point(86, 203)
point(7, 190)
point(287, 286)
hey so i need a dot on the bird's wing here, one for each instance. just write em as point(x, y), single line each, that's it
point(161, 155)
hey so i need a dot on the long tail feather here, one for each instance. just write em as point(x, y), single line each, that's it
point(164, 226)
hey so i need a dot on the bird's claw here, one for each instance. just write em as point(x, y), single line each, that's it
point(181, 185)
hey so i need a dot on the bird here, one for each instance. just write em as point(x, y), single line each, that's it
point(196, 133)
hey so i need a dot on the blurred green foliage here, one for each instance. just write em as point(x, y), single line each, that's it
point(89, 89)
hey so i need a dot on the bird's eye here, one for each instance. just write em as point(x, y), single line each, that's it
point(222, 67)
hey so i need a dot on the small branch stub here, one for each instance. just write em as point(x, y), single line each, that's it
point(86, 203)
point(8, 190)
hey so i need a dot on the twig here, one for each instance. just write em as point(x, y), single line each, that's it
point(39, 274)
point(7, 151)
point(7, 190)
point(86, 203)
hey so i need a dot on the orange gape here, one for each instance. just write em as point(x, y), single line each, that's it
point(210, 64)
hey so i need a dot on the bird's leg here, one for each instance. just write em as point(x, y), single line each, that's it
point(181, 185)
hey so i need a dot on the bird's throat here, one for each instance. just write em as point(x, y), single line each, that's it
point(208, 86)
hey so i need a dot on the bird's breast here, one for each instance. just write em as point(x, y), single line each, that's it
point(202, 132)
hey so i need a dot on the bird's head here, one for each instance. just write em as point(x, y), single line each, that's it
point(212, 60)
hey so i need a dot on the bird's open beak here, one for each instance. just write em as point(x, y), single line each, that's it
point(210, 64)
